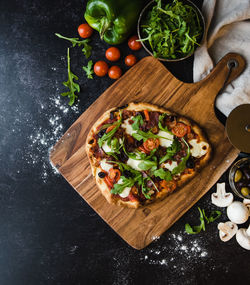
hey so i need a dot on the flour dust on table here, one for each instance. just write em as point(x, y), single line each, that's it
point(43, 138)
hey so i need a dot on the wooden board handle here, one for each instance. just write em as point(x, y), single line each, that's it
point(226, 70)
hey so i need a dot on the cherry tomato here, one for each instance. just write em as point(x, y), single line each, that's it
point(113, 54)
point(110, 128)
point(180, 130)
point(115, 72)
point(101, 68)
point(130, 60)
point(151, 144)
point(85, 31)
point(133, 44)
point(114, 175)
point(108, 182)
point(168, 186)
point(142, 149)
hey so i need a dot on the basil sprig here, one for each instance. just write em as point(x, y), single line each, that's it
point(197, 229)
point(110, 134)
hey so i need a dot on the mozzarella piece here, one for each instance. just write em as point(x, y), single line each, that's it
point(134, 163)
point(198, 148)
point(169, 166)
point(128, 128)
point(125, 191)
point(105, 166)
point(106, 147)
point(165, 142)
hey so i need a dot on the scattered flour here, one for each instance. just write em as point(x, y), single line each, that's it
point(183, 248)
point(43, 138)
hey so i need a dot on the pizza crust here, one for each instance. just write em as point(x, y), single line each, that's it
point(161, 195)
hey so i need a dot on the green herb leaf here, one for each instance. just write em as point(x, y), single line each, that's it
point(163, 174)
point(196, 229)
point(138, 121)
point(147, 164)
point(118, 188)
point(160, 124)
point(73, 87)
point(88, 69)
point(140, 135)
point(172, 31)
point(110, 134)
point(171, 151)
point(182, 165)
point(75, 41)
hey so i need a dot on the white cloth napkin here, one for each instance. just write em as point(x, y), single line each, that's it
point(227, 30)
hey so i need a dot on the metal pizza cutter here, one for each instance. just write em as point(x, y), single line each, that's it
point(238, 127)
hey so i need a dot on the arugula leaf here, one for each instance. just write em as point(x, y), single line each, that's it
point(163, 174)
point(118, 188)
point(213, 216)
point(196, 229)
point(75, 41)
point(140, 135)
point(182, 165)
point(129, 182)
point(73, 87)
point(138, 121)
point(172, 31)
point(147, 164)
point(88, 69)
point(171, 151)
point(160, 124)
point(110, 134)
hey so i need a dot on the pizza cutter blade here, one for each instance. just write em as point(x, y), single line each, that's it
point(238, 127)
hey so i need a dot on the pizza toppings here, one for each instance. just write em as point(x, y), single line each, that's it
point(142, 154)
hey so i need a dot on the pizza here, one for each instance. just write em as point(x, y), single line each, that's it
point(140, 153)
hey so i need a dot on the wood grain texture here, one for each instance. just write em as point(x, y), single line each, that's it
point(149, 81)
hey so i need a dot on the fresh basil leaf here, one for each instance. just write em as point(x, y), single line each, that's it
point(140, 135)
point(163, 174)
point(182, 165)
point(138, 121)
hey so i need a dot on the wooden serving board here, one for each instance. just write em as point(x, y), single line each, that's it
point(149, 81)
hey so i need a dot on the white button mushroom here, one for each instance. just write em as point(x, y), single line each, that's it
point(247, 203)
point(221, 198)
point(227, 230)
point(237, 212)
point(243, 238)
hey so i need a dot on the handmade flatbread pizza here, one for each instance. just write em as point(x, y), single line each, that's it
point(140, 153)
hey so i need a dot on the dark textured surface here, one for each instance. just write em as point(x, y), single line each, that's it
point(48, 234)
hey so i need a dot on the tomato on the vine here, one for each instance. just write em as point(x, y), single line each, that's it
point(130, 60)
point(113, 54)
point(115, 72)
point(85, 31)
point(101, 68)
point(133, 43)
